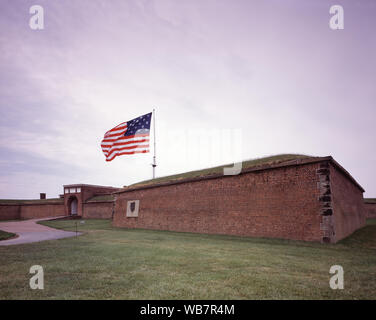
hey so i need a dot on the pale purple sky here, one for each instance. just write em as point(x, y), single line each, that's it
point(273, 70)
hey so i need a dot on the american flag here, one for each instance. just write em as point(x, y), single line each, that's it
point(127, 138)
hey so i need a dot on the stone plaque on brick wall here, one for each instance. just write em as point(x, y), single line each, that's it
point(132, 208)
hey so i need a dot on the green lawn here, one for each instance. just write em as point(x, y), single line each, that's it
point(5, 235)
point(111, 263)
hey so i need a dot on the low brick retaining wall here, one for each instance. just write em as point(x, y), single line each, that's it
point(30, 210)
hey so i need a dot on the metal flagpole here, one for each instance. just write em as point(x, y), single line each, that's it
point(154, 164)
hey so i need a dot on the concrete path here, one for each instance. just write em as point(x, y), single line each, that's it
point(29, 231)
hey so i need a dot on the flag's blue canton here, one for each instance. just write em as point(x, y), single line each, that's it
point(138, 125)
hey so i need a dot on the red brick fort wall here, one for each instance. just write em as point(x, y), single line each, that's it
point(370, 210)
point(348, 204)
point(277, 203)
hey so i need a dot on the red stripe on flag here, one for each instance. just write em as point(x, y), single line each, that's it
point(112, 150)
point(118, 134)
point(123, 153)
point(123, 143)
point(126, 137)
point(119, 126)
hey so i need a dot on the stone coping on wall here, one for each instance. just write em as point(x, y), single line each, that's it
point(88, 185)
point(370, 200)
point(101, 198)
point(15, 202)
point(289, 163)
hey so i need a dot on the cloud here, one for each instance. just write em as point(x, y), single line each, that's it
point(276, 72)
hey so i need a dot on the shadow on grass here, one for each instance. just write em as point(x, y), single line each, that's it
point(364, 238)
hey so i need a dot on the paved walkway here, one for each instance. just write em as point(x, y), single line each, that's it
point(29, 231)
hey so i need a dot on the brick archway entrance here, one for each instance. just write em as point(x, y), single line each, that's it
point(73, 205)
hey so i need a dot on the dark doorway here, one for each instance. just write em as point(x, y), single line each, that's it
point(73, 206)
